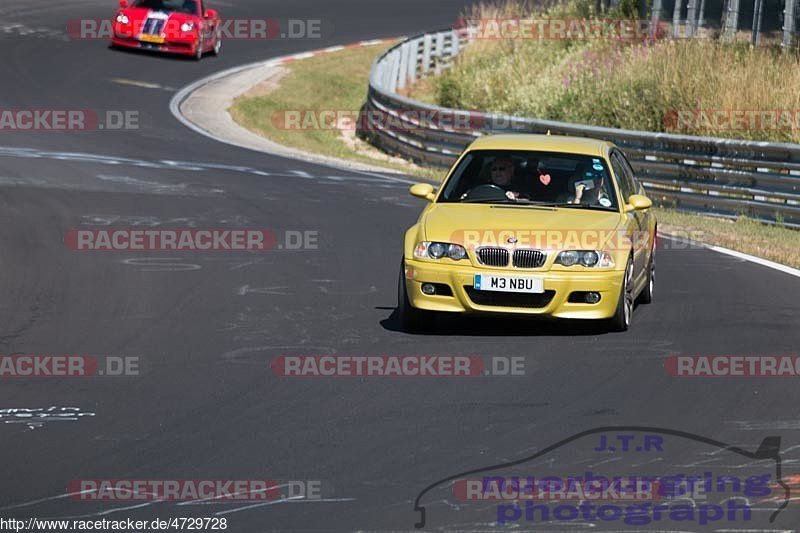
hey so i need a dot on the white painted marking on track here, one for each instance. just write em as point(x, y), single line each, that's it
point(186, 166)
point(739, 255)
point(278, 291)
point(246, 264)
point(210, 500)
point(761, 425)
point(304, 55)
point(113, 510)
point(38, 416)
point(291, 499)
point(142, 84)
point(43, 500)
point(160, 264)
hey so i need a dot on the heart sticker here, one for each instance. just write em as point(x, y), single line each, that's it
point(545, 179)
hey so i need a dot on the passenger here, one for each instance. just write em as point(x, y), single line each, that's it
point(543, 187)
point(588, 188)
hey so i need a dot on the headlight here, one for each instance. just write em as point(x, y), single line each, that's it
point(437, 250)
point(568, 258)
point(122, 19)
point(456, 252)
point(587, 258)
point(187, 26)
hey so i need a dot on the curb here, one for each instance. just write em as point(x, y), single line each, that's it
point(268, 146)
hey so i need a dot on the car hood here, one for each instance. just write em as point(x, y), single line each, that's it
point(550, 228)
point(140, 14)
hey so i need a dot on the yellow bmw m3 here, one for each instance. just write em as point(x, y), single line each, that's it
point(531, 225)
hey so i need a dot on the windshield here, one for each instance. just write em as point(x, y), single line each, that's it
point(529, 177)
point(181, 6)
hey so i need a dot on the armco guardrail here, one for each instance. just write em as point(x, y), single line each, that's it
point(721, 176)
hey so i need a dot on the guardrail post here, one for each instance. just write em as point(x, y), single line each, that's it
point(455, 44)
point(732, 20)
point(394, 72)
point(413, 57)
point(789, 22)
point(437, 54)
point(402, 73)
point(701, 17)
point(676, 18)
point(426, 55)
point(691, 17)
point(757, 15)
point(655, 18)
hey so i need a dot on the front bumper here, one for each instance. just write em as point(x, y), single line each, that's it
point(558, 285)
point(183, 47)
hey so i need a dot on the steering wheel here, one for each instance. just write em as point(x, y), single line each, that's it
point(487, 191)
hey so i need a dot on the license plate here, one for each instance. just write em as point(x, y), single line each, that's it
point(488, 282)
point(151, 39)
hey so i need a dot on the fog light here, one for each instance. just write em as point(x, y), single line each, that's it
point(428, 288)
point(592, 297)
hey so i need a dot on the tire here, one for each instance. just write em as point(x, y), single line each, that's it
point(621, 321)
point(646, 295)
point(217, 44)
point(198, 55)
point(411, 319)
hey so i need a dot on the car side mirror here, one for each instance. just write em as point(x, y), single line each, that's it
point(210, 14)
point(426, 191)
point(638, 202)
point(123, 3)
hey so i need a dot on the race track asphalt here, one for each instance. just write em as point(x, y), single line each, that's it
point(206, 326)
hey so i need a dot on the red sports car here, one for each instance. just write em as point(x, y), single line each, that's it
point(177, 26)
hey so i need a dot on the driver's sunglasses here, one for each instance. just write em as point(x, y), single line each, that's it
point(499, 169)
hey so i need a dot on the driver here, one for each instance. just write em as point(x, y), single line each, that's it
point(502, 172)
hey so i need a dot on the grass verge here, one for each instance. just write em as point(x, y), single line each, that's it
point(297, 113)
point(339, 81)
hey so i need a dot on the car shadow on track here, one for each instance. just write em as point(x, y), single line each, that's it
point(493, 326)
point(165, 56)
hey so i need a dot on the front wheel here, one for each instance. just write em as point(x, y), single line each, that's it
point(411, 319)
point(217, 44)
point(198, 55)
point(646, 295)
point(621, 321)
